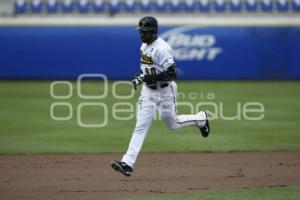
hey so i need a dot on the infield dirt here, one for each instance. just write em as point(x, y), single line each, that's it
point(71, 177)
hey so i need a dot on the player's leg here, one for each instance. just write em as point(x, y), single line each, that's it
point(168, 112)
point(145, 114)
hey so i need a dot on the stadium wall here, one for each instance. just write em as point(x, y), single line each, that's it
point(65, 52)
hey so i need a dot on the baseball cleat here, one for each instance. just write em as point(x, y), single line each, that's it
point(121, 167)
point(205, 129)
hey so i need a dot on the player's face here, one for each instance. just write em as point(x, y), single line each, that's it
point(146, 36)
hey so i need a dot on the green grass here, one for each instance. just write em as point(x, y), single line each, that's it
point(279, 193)
point(26, 126)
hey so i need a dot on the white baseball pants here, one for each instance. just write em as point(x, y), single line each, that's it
point(164, 101)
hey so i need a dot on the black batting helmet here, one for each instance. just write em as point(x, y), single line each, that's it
point(148, 23)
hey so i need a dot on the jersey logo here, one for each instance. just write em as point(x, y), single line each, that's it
point(146, 59)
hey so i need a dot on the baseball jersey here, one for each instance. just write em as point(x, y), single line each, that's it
point(156, 57)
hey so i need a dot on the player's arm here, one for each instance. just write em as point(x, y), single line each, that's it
point(168, 75)
point(165, 59)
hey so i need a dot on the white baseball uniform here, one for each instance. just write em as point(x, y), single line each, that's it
point(156, 58)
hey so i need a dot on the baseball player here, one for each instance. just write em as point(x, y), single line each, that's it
point(159, 91)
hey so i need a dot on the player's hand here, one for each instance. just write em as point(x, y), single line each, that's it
point(137, 81)
point(134, 84)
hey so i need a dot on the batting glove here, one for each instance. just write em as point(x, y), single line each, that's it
point(137, 81)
